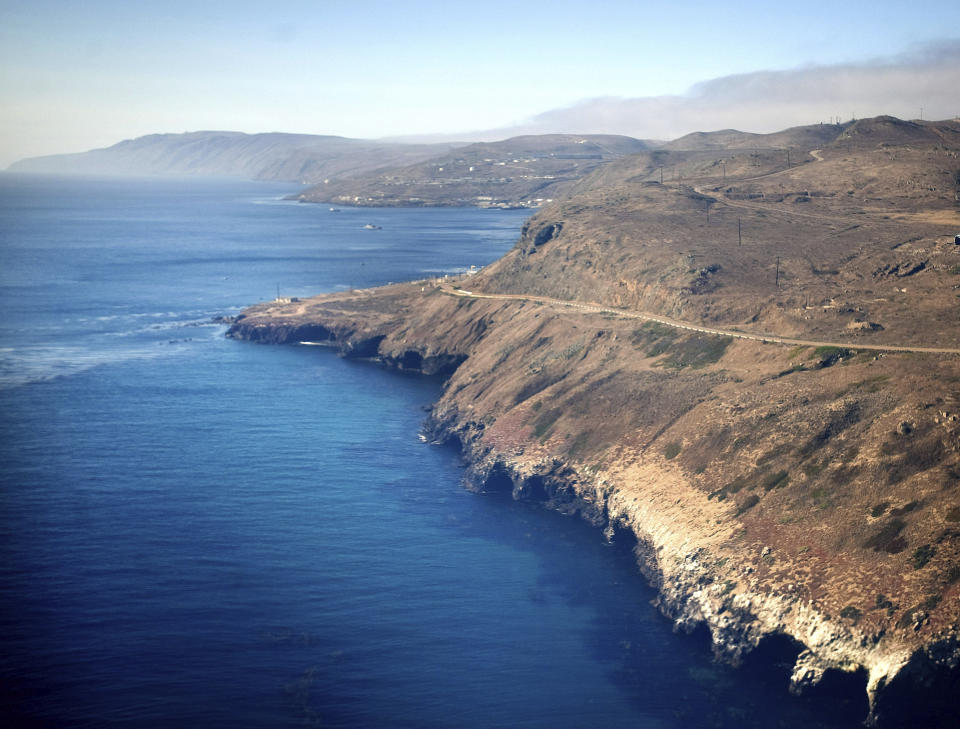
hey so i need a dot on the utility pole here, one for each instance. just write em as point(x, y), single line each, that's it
point(661, 174)
point(778, 271)
point(724, 170)
point(739, 234)
point(788, 158)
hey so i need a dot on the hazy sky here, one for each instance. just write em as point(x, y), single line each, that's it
point(76, 75)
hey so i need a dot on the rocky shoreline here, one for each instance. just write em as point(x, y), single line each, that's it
point(709, 569)
point(804, 493)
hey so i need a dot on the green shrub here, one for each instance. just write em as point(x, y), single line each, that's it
point(572, 351)
point(672, 450)
point(747, 503)
point(544, 423)
point(812, 470)
point(827, 351)
point(888, 538)
point(922, 555)
point(578, 443)
point(736, 485)
point(775, 480)
point(905, 509)
point(697, 351)
point(653, 338)
point(883, 603)
point(851, 613)
point(503, 354)
point(536, 385)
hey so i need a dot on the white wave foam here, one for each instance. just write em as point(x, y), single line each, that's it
point(41, 363)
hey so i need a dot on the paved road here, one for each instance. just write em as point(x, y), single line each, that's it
point(692, 327)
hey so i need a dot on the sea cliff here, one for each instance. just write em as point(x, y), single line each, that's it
point(601, 425)
point(751, 373)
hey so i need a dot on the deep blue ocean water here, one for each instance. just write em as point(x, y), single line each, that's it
point(198, 532)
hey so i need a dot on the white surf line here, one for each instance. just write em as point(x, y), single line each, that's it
point(676, 324)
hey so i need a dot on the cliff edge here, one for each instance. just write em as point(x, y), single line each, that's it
point(628, 361)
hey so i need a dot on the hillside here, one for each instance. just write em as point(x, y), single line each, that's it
point(803, 493)
point(828, 245)
point(518, 172)
point(805, 137)
point(292, 157)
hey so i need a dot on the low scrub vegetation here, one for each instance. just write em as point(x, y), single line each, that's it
point(672, 450)
point(543, 424)
point(775, 480)
point(888, 539)
point(697, 352)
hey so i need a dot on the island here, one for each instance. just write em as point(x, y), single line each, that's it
point(740, 355)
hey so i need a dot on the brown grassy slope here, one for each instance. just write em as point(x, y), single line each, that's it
point(800, 138)
point(515, 171)
point(806, 491)
point(827, 484)
point(865, 236)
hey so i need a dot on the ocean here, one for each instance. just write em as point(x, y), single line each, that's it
point(199, 532)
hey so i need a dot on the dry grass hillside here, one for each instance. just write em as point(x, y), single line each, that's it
point(518, 172)
point(809, 491)
point(856, 240)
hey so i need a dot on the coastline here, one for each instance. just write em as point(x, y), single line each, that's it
point(706, 556)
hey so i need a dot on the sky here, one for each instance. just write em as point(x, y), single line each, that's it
point(81, 74)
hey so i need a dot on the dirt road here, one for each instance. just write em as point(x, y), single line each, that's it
point(690, 326)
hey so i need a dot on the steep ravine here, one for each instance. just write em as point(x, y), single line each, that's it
point(669, 439)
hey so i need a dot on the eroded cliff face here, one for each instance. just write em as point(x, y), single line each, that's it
point(772, 491)
point(806, 492)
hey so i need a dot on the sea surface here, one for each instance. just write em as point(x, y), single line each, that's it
point(198, 532)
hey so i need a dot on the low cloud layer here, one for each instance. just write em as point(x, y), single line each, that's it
point(767, 101)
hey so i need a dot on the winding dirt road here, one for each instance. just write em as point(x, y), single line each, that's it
point(592, 308)
point(692, 327)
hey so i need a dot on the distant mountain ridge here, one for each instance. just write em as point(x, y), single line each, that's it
point(302, 158)
point(801, 137)
point(524, 171)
